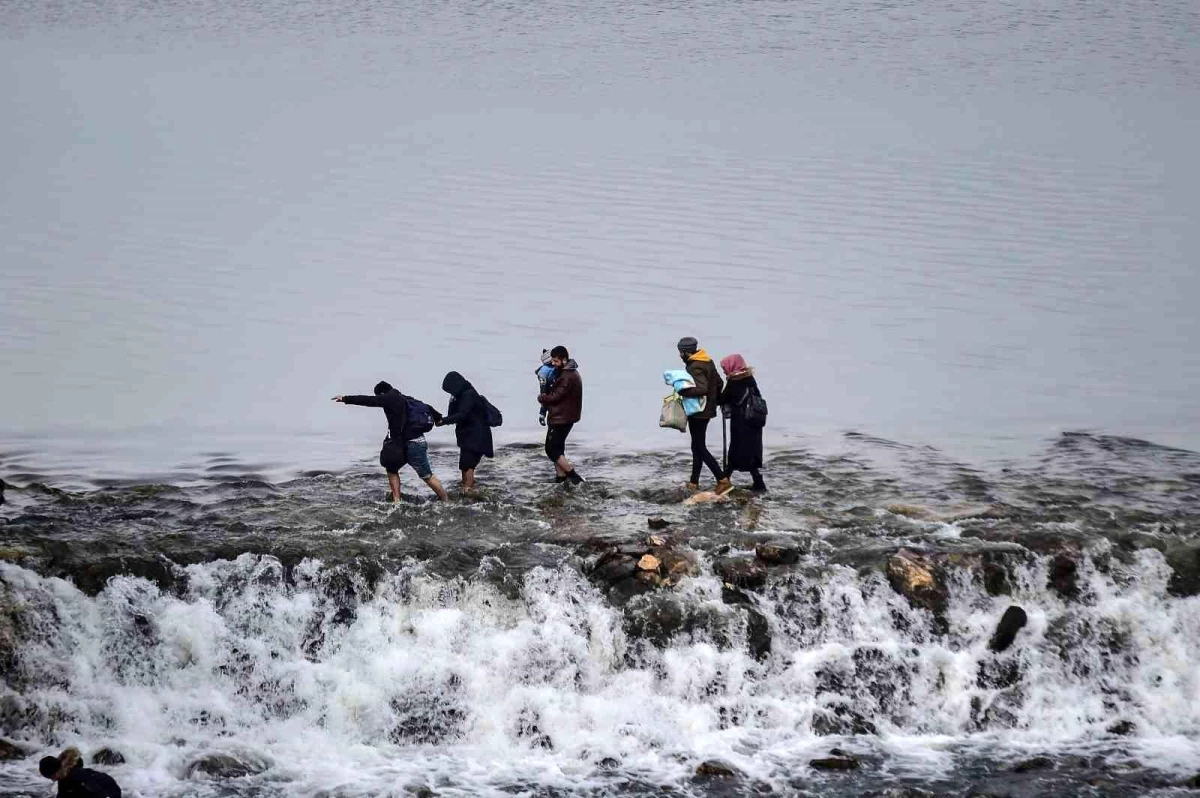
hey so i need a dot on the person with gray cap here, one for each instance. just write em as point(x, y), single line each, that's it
point(708, 386)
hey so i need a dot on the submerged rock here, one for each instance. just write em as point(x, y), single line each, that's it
point(1122, 728)
point(843, 762)
point(913, 576)
point(777, 553)
point(1036, 763)
point(1064, 576)
point(657, 523)
point(1013, 621)
point(226, 766)
point(741, 572)
point(108, 756)
point(716, 769)
point(1184, 560)
point(10, 751)
point(841, 721)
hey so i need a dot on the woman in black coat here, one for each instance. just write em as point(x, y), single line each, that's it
point(745, 437)
point(468, 414)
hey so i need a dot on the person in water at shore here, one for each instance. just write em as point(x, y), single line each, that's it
point(468, 414)
point(76, 781)
point(564, 409)
point(405, 442)
point(546, 374)
point(708, 386)
point(745, 436)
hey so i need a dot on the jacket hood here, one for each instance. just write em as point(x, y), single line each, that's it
point(702, 356)
point(454, 384)
point(570, 365)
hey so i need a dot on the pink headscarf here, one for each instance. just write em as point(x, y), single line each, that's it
point(733, 364)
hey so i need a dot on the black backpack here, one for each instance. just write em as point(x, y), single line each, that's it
point(494, 417)
point(754, 408)
point(419, 420)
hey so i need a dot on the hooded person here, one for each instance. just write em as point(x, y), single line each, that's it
point(405, 444)
point(76, 781)
point(468, 415)
point(745, 436)
point(564, 408)
point(707, 386)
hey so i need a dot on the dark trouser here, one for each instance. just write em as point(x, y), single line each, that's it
point(701, 456)
point(556, 440)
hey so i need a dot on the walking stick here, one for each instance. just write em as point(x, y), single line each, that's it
point(724, 446)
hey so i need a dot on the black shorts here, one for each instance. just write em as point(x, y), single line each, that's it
point(393, 456)
point(556, 440)
point(468, 460)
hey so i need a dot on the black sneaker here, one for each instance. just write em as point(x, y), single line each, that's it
point(575, 478)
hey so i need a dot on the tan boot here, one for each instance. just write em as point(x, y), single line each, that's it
point(723, 487)
point(692, 487)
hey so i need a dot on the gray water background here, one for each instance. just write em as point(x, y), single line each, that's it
point(968, 225)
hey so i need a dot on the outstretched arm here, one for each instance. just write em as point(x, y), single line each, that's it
point(363, 401)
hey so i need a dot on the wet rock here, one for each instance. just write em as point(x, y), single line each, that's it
point(735, 597)
point(1193, 783)
point(1036, 763)
point(1064, 576)
point(741, 572)
point(912, 511)
point(844, 762)
point(996, 579)
point(998, 673)
point(226, 766)
point(430, 716)
point(1013, 621)
point(758, 635)
point(420, 791)
point(841, 721)
point(1122, 728)
point(608, 763)
point(657, 619)
point(614, 569)
point(716, 769)
point(108, 756)
point(622, 592)
point(10, 751)
point(649, 562)
point(913, 577)
point(777, 553)
point(1184, 560)
point(677, 563)
point(657, 524)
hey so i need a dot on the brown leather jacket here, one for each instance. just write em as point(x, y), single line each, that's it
point(564, 401)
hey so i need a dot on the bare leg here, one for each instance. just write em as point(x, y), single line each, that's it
point(563, 466)
point(468, 479)
point(394, 481)
point(436, 484)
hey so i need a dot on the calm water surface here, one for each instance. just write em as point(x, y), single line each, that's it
point(965, 225)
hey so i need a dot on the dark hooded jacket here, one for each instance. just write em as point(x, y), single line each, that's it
point(468, 414)
point(395, 407)
point(76, 781)
point(565, 398)
point(745, 439)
